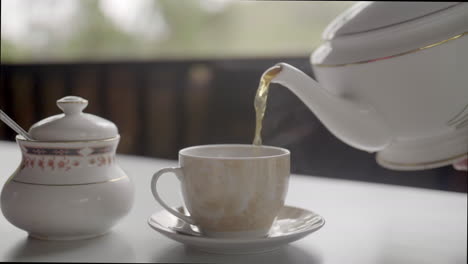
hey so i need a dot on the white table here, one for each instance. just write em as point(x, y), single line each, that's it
point(365, 223)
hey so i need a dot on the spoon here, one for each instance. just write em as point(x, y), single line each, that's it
point(13, 125)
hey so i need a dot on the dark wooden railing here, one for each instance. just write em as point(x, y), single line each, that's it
point(159, 107)
point(163, 106)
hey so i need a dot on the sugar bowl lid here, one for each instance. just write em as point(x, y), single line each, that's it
point(73, 124)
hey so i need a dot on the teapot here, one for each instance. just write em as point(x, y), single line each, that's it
point(68, 185)
point(392, 78)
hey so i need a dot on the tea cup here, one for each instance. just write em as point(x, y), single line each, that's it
point(230, 190)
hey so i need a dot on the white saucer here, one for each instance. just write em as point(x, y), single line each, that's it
point(291, 224)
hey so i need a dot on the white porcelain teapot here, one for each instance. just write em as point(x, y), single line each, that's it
point(393, 79)
point(68, 185)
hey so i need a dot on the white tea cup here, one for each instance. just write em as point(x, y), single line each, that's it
point(230, 190)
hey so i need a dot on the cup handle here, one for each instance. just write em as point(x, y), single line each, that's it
point(178, 172)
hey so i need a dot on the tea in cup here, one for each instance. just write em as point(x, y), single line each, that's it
point(230, 191)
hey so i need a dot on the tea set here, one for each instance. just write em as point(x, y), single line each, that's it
point(68, 185)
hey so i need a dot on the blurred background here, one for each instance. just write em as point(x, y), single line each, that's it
point(173, 74)
point(108, 30)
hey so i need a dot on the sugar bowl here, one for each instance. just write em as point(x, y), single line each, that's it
point(68, 185)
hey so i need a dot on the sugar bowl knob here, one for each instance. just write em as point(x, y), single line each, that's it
point(72, 105)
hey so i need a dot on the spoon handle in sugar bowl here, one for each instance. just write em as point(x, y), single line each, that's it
point(13, 125)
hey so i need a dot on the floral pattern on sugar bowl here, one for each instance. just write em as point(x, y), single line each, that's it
point(65, 159)
point(73, 162)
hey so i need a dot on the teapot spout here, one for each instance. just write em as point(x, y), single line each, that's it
point(358, 125)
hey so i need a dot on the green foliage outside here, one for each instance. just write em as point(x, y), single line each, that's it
point(242, 28)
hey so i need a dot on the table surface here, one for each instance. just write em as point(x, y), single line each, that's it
point(365, 223)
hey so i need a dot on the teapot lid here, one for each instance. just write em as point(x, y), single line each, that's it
point(73, 124)
point(367, 16)
point(372, 31)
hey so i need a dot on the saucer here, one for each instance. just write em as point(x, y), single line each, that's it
point(291, 224)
